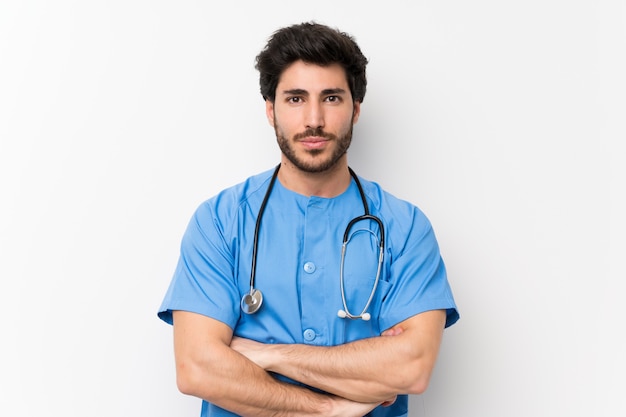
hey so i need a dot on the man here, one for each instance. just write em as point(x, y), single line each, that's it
point(271, 316)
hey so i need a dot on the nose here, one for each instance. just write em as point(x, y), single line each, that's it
point(314, 117)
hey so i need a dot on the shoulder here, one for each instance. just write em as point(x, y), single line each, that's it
point(404, 221)
point(226, 206)
point(390, 206)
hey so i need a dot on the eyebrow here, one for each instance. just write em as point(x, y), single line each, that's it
point(301, 92)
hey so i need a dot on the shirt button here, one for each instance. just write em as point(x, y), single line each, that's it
point(309, 267)
point(309, 335)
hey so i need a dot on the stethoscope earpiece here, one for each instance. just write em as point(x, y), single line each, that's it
point(342, 315)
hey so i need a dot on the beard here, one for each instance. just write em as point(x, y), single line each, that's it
point(316, 162)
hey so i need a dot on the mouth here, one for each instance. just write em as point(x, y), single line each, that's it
point(313, 142)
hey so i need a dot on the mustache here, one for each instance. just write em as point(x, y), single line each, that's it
point(318, 131)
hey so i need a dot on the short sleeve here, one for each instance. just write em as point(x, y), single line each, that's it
point(418, 275)
point(203, 281)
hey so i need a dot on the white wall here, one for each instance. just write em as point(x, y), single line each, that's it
point(504, 121)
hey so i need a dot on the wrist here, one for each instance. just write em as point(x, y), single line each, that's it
point(272, 357)
point(328, 406)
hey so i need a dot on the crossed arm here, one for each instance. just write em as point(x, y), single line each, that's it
point(373, 369)
point(231, 372)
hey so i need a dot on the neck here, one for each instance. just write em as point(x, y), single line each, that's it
point(327, 184)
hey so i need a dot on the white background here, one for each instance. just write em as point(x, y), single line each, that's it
point(503, 121)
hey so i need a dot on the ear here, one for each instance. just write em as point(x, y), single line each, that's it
point(356, 111)
point(269, 111)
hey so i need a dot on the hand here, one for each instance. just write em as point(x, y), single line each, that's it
point(389, 401)
point(393, 331)
point(254, 351)
point(347, 408)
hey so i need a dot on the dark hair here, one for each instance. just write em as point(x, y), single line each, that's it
point(312, 43)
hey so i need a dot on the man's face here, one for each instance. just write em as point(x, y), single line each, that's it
point(313, 115)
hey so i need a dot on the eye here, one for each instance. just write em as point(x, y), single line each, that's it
point(294, 100)
point(333, 99)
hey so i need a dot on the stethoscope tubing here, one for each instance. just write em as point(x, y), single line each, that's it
point(381, 254)
point(251, 302)
point(257, 227)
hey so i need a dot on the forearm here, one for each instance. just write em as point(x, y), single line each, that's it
point(240, 386)
point(207, 368)
point(373, 369)
point(367, 370)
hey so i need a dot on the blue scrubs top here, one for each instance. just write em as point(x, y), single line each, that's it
point(298, 265)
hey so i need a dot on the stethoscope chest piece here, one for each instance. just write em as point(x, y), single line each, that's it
point(251, 302)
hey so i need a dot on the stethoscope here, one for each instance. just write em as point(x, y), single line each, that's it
point(251, 301)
